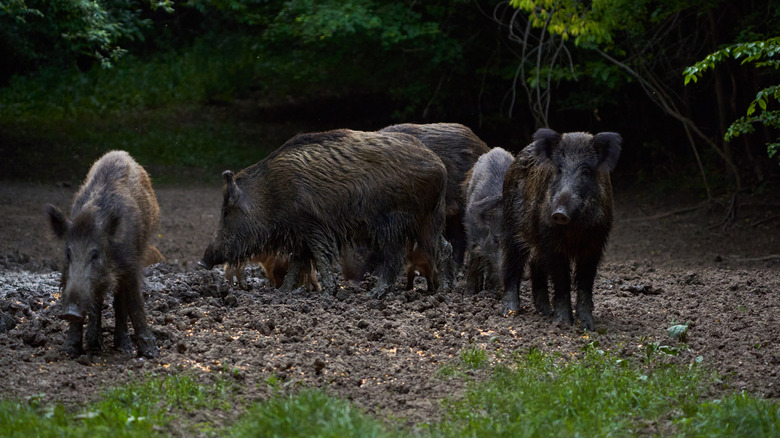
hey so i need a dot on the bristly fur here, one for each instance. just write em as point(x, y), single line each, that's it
point(458, 148)
point(114, 214)
point(318, 191)
point(558, 211)
point(483, 192)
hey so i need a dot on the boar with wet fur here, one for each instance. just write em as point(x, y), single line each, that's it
point(484, 213)
point(558, 212)
point(320, 191)
point(113, 216)
point(275, 267)
point(459, 148)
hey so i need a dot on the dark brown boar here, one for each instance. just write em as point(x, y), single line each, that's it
point(484, 213)
point(113, 216)
point(558, 211)
point(459, 148)
point(275, 267)
point(319, 191)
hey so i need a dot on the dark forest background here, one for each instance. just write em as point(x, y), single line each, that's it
point(193, 87)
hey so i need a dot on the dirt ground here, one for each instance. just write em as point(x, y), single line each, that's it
point(662, 267)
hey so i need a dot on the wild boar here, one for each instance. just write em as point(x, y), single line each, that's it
point(113, 216)
point(483, 189)
point(318, 191)
point(558, 211)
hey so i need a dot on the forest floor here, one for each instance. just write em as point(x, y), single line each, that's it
point(664, 265)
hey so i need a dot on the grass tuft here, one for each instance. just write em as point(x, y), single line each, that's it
point(308, 414)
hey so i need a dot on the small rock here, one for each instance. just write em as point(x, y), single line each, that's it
point(231, 300)
point(7, 322)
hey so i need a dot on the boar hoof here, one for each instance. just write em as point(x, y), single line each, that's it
point(72, 350)
point(563, 315)
point(147, 347)
point(543, 309)
point(124, 344)
point(586, 321)
point(510, 308)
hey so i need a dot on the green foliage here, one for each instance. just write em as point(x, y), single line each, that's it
point(533, 394)
point(307, 414)
point(361, 47)
point(137, 409)
point(599, 395)
point(474, 357)
point(735, 415)
point(211, 69)
point(39, 33)
point(762, 54)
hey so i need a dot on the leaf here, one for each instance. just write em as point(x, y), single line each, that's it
point(678, 332)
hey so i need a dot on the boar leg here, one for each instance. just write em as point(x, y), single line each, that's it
point(147, 346)
point(445, 264)
point(410, 274)
point(539, 291)
point(474, 272)
point(561, 278)
point(515, 256)
point(322, 263)
point(94, 333)
point(387, 269)
point(585, 275)
point(122, 340)
point(309, 281)
point(294, 272)
point(72, 347)
point(455, 233)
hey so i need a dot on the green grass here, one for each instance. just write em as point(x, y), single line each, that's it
point(540, 394)
point(310, 413)
point(527, 395)
point(137, 409)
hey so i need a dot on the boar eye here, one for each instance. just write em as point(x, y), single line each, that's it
point(93, 255)
point(586, 171)
point(67, 253)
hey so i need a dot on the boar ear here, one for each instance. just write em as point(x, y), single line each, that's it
point(607, 145)
point(59, 225)
point(228, 177)
point(545, 142)
point(234, 196)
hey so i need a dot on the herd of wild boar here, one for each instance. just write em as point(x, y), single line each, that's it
point(430, 198)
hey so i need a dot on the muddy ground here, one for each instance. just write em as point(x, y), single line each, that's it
point(660, 269)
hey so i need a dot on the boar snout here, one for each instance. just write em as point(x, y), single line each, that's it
point(71, 313)
point(563, 206)
point(561, 216)
point(211, 258)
